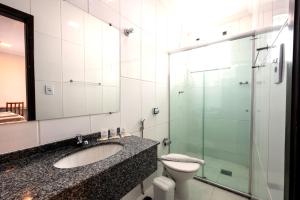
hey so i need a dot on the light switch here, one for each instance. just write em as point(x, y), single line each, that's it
point(49, 90)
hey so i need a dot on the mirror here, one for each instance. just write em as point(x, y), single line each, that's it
point(76, 66)
point(16, 66)
point(86, 80)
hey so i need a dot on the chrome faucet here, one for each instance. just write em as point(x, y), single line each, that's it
point(80, 140)
point(119, 132)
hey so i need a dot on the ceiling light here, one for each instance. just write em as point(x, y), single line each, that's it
point(4, 44)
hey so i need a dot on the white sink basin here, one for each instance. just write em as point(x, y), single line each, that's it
point(88, 156)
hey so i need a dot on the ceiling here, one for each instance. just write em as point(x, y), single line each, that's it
point(12, 35)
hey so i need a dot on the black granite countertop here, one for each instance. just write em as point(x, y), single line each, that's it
point(33, 176)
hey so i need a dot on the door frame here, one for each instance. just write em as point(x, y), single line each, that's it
point(28, 20)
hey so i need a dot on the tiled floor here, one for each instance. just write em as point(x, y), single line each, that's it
point(202, 191)
point(240, 173)
point(212, 171)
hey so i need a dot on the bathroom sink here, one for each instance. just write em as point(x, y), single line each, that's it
point(88, 156)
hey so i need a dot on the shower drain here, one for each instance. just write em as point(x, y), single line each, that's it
point(226, 172)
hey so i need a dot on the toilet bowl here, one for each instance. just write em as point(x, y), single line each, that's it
point(180, 172)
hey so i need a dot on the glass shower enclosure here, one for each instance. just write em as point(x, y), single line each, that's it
point(210, 109)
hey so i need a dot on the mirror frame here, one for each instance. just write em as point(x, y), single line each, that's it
point(27, 19)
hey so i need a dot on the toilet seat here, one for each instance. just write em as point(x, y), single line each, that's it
point(182, 166)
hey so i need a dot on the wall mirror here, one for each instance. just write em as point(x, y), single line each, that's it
point(76, 66)
point(17, 103)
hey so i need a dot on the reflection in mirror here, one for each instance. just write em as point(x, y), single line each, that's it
point(17, 91)
point(13, 102)
point(83, 79)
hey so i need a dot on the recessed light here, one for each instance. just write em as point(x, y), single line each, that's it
point(4, 44)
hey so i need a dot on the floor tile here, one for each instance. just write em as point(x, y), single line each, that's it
point(201, 191)
point(219, 194)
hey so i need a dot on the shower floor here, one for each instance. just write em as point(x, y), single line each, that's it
point(239, 179)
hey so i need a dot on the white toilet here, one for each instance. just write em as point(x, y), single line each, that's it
point(180, 172)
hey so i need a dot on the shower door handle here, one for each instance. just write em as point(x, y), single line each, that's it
point(244, 83)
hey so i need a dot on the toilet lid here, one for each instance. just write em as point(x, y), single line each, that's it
point(182, 166)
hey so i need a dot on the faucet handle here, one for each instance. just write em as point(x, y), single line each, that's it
point(79, 139)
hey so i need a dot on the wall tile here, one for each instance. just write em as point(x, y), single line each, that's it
point(162, 68)
point(130, 104)
point(82, 4)
point(131, 11)
point(148, 103)
point(148, 57)
point(130, 51)
point(60, 129)
point(94, 99)
point(72, 23)
point(17, 136)
point(99, 122)
point(162, 102)
point(111, 56)
point(149, 16)
point(110, 99)
point(47, 56)
point(43, 10)
point(74, 99)
point(73, 61)
point(93, 65)
point(93, 28)
point(23, 5)
point(48, 106)
point(104, 12)
point(114, 4)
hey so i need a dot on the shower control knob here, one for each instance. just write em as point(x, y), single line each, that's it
point(166, 141)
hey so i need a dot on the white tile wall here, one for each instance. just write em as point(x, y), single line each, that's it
point(72, 61)
point(47, 16)
point(18, 136)
point(110, 99)
point(74, 100)
point(72, 23)
point(94, 99)
point(132, 11)
point(17, 4)
point(148, 103)
point(60, 129)
point(130, 51)
point(48, 105)
point(148, 56)
point(105, 121)
point(102, 11)
point(130, 104)
point(82, 4)
point(47, 57)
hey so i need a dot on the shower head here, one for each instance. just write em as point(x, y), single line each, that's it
point(127, 31)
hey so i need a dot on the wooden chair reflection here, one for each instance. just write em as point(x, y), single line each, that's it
point(15, 107)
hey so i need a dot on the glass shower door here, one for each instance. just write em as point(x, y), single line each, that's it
point(186, 108)
point(210, 109)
